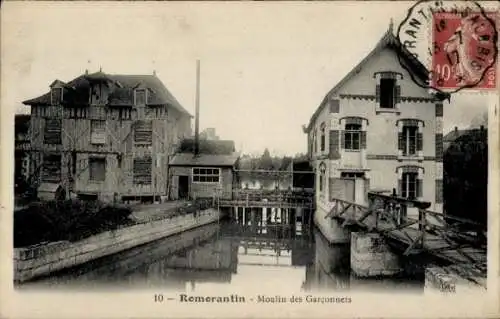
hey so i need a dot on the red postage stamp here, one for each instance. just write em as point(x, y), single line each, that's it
point(464, 50)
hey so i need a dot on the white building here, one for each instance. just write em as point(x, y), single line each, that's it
point(378, 130)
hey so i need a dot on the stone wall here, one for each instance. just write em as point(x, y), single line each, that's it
point(31, 262)
point(330, 227)
point(371, 256)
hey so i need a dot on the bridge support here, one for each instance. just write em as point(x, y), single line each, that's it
point(330, 227)
point(372, 257)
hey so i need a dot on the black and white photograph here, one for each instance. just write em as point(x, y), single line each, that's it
point(231, 159)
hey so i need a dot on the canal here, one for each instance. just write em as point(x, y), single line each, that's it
point(227, 256)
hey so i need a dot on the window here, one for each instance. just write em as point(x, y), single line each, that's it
point(334, 106)
point(140, 97)
point(409, 187)
point(52, 133)
point(56, 96)
point(322, 173)
point(322, 137)
point(97, 169)
point(142, 170)
point(409, 142)
point(51, 170)
point(97, 94)
point(387, 93)
point(206, 175)
point(143, 132)
point(315, 144)
point(352, 175)
point(98, 132)
point(352, 135)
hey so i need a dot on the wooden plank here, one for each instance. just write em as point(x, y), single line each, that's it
point(413, 245)
point(401, 226)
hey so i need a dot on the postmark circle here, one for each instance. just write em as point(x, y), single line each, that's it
point(459, 42)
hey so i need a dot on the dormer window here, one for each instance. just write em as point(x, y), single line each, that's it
point(56, 95)
point(140, 96)
point(388, 92)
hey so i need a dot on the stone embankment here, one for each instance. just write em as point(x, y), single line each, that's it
point(39, 260)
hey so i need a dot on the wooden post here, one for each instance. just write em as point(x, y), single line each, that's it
point(422, 224)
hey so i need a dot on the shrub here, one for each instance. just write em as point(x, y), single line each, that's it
point(67, 220)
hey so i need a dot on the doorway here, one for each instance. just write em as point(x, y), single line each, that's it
point(183, 187)
point(354, 186)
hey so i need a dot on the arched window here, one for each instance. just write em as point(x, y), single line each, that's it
point(322, 176)
point(410, 181)
point(323, 136)
point(314, 143)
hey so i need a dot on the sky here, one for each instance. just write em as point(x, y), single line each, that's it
point(265, 67)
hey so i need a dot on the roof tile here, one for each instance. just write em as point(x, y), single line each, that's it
point(76, 92)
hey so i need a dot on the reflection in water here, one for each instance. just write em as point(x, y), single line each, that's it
point(227, 254)
point(330, 269)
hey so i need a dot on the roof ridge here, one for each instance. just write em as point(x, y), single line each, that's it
point(387, 38)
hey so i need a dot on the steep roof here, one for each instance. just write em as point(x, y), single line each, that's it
point(389, 40)
point(76, 92)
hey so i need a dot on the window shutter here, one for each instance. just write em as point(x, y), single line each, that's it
point(363, 139)
point(397, 93)
point(419, 188)
point(52, 134)
point(51, 170)
point(334, 145)
point(400, 187)
point(377, 93)
point(142, 170)
point(143, 132)
point(342, 139)
point(439, 191)
point(401, 141)
point(439, 147)
point(439, 109)
point(420, 142)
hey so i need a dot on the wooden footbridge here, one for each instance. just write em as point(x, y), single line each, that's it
point(286, 199)
point(415, 230)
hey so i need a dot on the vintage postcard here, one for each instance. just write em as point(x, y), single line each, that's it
point(246, 160)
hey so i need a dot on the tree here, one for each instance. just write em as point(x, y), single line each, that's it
point(465, 184)
point(266, 162)
point(480, 120)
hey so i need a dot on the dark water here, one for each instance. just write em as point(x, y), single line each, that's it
point(227, 256)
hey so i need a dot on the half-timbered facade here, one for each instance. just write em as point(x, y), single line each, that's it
point(106, 136)
point(21, 155)
point(378, 130)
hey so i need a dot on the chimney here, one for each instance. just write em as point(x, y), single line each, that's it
point(482, 128)
point(456, 129)
point(197, 111)
point(86, 71)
